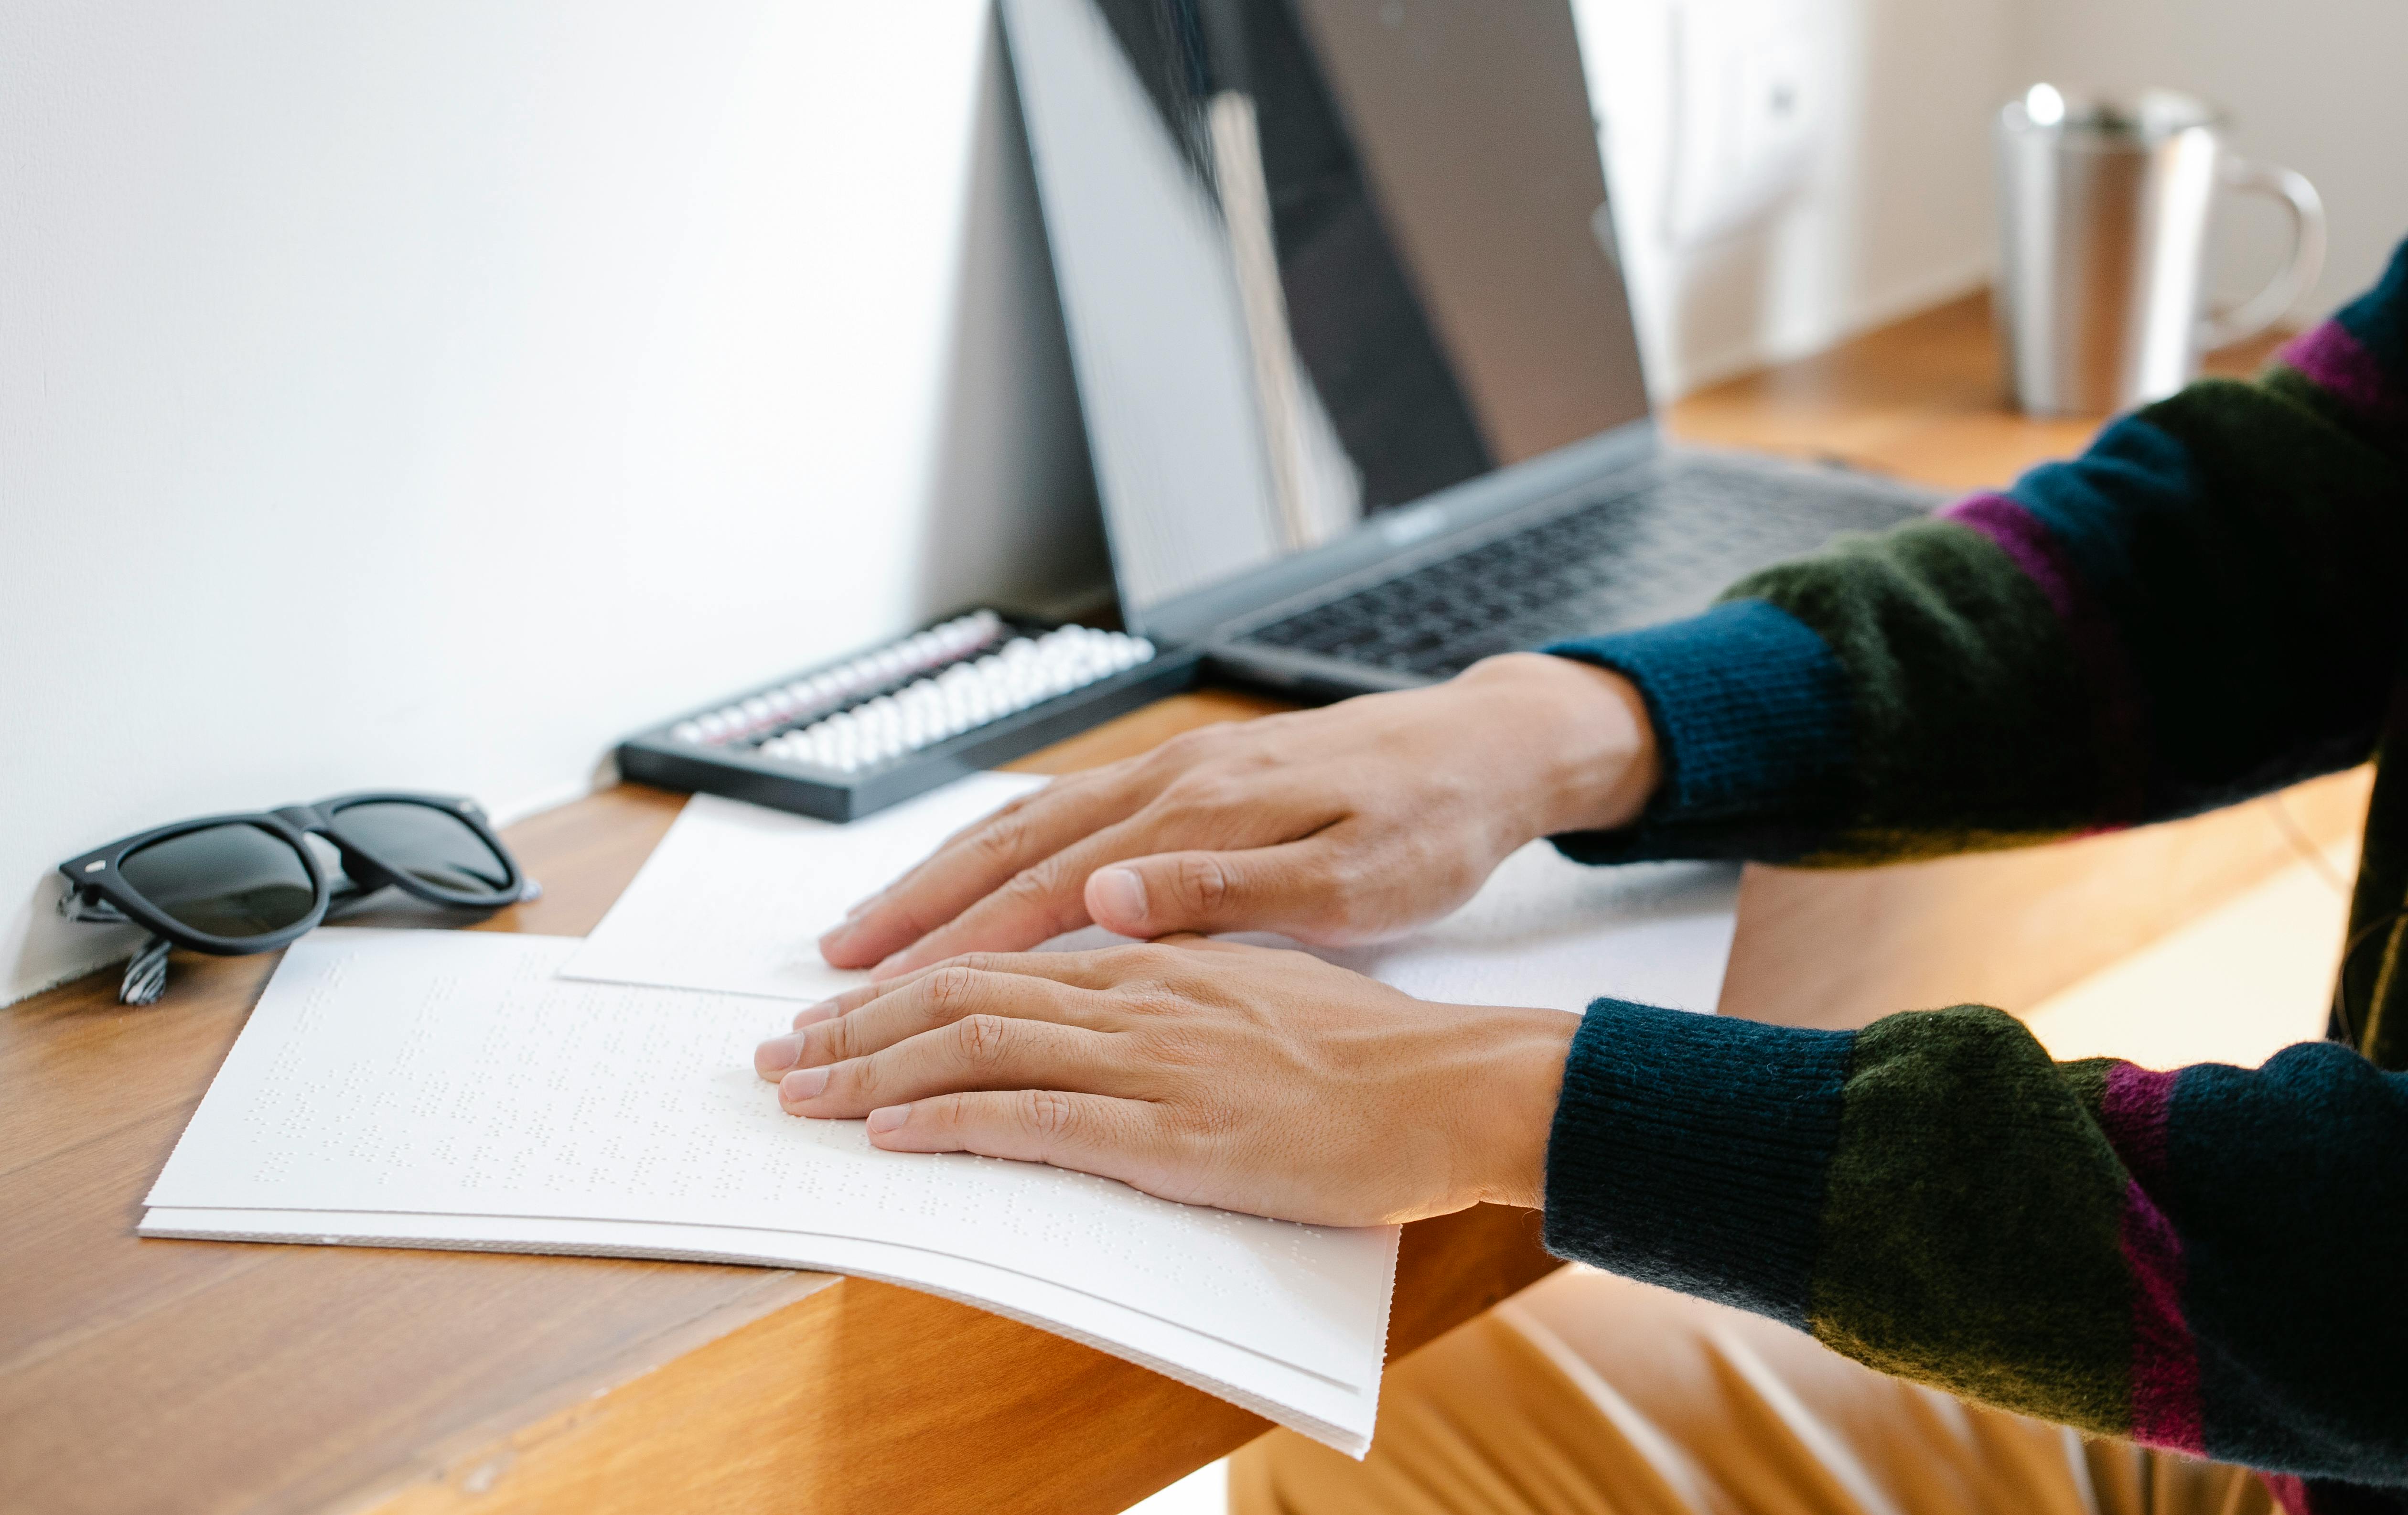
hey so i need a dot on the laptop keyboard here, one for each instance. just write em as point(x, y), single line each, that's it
point(1625, 560)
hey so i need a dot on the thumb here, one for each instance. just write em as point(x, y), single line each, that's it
point(1260, 889)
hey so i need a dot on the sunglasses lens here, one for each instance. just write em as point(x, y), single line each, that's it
point(232, 880)
point(428, 842)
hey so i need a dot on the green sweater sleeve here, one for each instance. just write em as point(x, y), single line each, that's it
point(2207, 604)
point(2210, 602)
point(2207, 1260)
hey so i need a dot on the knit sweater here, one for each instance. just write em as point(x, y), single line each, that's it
point(2208, 604)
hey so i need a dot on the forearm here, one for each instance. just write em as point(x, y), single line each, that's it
point(2205, 605)
point(2178, 1258)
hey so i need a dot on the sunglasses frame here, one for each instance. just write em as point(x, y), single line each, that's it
point(95, 877)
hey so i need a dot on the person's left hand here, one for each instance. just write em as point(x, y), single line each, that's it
point(1201, 1071)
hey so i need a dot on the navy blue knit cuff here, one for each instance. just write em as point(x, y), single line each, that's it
point(1689, 1150)
point(1751, 715)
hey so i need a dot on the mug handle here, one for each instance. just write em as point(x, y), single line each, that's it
point(2307, 259)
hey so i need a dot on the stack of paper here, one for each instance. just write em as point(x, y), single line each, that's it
point(456, 1090)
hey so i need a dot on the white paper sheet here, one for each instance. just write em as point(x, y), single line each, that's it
point(448, 1088)
point(734, 896)
point(1331, 1413)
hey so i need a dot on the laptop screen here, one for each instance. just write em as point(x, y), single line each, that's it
point(1318, 259)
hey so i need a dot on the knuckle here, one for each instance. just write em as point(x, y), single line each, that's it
point(1048, 894)
point(1049, 1115)
point(1202, 883)
point(1138, 965)
point(1190, 745)
point(1000, 839)
point(984, 1041)
point(865, 1075)
point(1030, 886)
point(1202, 794)
point(833, 1041)
point(950, 988)
point(1212, 1124)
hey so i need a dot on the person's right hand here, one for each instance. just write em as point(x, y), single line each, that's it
point(1330, 826)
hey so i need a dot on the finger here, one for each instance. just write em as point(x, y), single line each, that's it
point(977, 860)
point(1294, 887)
point(936, 999)
point(1087, 970)
point(978, 1052)
point(1114, 1138)
point(1048, 897)
point(1034, 905)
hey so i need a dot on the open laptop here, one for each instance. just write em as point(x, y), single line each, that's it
point(1352, 342)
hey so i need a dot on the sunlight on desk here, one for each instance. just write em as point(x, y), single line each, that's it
point(2236, 985)
point(1204, 1491)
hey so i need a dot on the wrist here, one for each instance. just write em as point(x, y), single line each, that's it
point(1588, 741)
point(1510, 1108)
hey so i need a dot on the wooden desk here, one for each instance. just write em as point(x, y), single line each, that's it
point(206, 1377)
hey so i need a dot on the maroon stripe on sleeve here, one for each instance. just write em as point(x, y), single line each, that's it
point(2117, 725)
point(2165, 1408)
point(2339, 363)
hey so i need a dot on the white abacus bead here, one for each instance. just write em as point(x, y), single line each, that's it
point(686, 731)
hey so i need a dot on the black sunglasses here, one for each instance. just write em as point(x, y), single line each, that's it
point(233, 884)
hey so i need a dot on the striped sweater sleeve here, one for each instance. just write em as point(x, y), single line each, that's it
point(2210, 602)
point(2207, 1260)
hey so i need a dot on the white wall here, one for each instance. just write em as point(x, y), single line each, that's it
point(424, 394)
point(410, 392)
point(1894, 213)
point(2314, 87)
point(1897, 213)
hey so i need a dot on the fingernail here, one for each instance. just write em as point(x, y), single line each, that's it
point(811, 1015)
point(1121, 894)
point(889, 1118)
point(776, 1056)
point(801, 1084)
point(890, 966)
point(834, 935)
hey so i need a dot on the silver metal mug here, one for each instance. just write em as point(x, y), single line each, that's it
point(2104, 212)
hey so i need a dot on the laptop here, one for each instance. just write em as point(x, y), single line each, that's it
point(1353, 346)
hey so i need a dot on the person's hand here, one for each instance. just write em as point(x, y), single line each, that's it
point(1201, 1071)
point(1331, 826)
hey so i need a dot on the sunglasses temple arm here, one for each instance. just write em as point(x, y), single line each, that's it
point(79, 905)
point(146, 976)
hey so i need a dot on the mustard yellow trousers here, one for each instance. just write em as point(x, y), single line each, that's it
point(1588, 1395)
